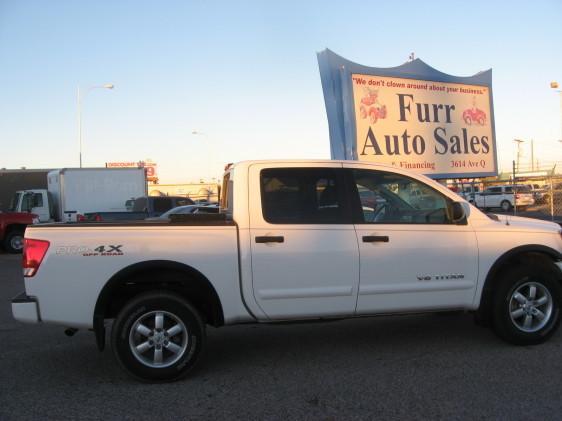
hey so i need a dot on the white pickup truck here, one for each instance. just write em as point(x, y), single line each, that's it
point(296, 240)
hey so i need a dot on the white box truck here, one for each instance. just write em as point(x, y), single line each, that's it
point(75, 191)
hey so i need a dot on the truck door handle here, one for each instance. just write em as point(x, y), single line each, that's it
point(270, 239)
point(375, 239)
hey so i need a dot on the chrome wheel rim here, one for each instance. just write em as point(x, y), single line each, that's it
point(158, 339)
point(16, 242)
point(530, 307)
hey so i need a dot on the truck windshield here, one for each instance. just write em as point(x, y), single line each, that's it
point(14, 202)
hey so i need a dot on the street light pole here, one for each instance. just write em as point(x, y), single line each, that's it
point(79, 104)
point(519, 142)
point(554, 85)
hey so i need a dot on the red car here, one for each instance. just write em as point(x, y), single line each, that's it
point(474, 115)
point(12, 228)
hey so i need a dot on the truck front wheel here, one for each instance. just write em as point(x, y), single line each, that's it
point(158, 337)
point(527, 304)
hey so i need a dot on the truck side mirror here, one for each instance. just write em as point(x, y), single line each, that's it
point(458, 215)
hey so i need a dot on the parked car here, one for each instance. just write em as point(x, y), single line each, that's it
point(143, 207)
point(185, 210)
point(468, 192)
point(538, 192)
point(505, 197)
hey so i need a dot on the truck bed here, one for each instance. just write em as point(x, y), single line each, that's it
point(82, 258)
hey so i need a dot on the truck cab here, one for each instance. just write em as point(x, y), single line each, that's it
point(36, 201)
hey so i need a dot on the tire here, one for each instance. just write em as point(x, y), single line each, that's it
point(505, 205)
point(136, 325)
point(515, 316)
point(13, 242)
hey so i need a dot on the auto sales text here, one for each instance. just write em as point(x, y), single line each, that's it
point(406, 144)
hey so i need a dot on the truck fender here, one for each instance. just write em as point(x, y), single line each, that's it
point(185, 279)
point(510, 257)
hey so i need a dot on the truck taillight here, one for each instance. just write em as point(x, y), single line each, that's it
point(33, 253)
point(517, 196)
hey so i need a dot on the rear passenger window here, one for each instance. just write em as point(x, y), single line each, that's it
point(301, 196)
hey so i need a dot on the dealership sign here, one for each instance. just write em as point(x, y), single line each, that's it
point(412, 117)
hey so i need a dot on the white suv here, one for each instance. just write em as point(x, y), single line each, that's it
point(505, 197)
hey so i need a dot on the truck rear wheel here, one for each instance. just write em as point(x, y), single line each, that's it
point(158, 337)
point(13, 242)
point(527, 304)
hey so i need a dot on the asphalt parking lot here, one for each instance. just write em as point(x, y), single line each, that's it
point(408, 367)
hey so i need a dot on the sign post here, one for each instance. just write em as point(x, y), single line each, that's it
point(411, 116)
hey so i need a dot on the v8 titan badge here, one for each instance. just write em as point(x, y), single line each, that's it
point(102, 250)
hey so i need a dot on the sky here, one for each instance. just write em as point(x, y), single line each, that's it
point(244, 75)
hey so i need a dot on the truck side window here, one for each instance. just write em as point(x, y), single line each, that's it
point(387, 198)
point(162, 204)
point(37, 200)
point(140, 204)
point(301, 196)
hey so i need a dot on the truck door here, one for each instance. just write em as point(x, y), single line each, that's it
point(36, 202)
point(305, 256)
point(412, 256)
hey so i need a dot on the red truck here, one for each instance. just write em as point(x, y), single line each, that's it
point(12, 228)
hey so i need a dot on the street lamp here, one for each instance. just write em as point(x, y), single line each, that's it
point(79, 101)
point(554, 85)
point(519, 142)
